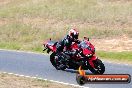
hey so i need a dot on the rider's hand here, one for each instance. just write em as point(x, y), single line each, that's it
point(77, 41)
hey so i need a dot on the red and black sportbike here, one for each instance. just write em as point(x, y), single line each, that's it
point(85, 57)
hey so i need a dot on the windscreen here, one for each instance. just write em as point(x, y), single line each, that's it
point(85, 45)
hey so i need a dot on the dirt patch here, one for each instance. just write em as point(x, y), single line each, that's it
point(12, 81)
point(4, 2)
point(3, 22)
point(118, 45)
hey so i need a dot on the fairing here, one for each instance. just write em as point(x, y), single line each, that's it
point(51, 45)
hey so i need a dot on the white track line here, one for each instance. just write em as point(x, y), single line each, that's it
point(45, 80)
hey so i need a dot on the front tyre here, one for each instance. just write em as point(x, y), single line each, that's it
point(99, 67)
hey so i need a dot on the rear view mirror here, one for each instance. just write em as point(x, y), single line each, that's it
point(86, 38)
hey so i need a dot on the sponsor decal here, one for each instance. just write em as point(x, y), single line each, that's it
point(83, 78)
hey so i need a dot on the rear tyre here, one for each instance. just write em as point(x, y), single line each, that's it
point(56, 63)
point(99, 67)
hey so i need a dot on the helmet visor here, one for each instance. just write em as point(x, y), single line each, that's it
point(76, 36)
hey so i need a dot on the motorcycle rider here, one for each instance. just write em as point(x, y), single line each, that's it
point(67, 42)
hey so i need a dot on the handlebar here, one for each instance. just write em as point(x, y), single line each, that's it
point(44, 49)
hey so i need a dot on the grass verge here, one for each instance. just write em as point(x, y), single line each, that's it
point(119, 57)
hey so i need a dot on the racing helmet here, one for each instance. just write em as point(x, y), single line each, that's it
point(73, 33)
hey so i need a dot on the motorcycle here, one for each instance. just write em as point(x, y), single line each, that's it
point(85, 57)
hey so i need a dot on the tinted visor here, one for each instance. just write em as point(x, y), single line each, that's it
point(76, 36)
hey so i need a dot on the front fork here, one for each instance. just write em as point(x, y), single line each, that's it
point(91, 60)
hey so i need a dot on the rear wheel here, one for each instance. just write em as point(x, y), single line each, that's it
point(99, 67)
point(56, 62)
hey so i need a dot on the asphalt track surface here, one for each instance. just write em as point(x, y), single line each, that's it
point(38, 65)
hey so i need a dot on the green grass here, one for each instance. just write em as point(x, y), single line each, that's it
point(10, 45)
point(86, 10)
point(125, 56)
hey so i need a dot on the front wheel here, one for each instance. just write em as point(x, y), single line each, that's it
point(99, 67)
